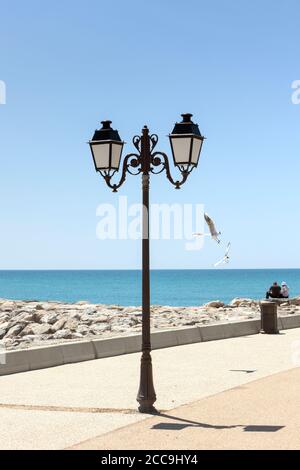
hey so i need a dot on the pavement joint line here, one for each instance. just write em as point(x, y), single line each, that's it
point(70, 409)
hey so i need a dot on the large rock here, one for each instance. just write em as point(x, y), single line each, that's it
point(134, 321)
point(86, 319)
point(77, 335)
point(215, 304)
point(89, 311)
point(48, 306)
point(63, 334)
point(295, 301)
point(59, 324)
point(14, 331)
point(2, 333)
point(50, 317)
point(127, 310)
point(74, 315)
point(28, 338)
point(99, 328)
point(4, 318)
point(37, 316)
point(5, 325)
point(36, 329)
point(71, 325)
point(27, 316)
point(101, 319)
point(7, 306)
point(39, 307)
point(82, 329)
point(240, 302)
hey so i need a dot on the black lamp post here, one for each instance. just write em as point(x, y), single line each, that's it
point(106, 146)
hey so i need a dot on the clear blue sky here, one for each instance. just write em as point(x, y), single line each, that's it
point(67, 65)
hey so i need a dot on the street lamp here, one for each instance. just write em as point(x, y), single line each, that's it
point(186, 142)
point(106, 147)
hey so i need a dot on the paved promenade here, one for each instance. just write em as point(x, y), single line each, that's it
point(63, 406)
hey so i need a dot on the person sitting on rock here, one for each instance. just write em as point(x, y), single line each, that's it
point(285, 293)
point(274, 292)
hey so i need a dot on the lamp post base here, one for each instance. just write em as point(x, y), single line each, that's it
point(146, 394)
point(149, 410)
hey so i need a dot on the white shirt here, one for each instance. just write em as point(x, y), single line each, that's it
point(285, 291)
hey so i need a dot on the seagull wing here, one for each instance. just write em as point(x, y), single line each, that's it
point(198, 234)
point(212, 228)
point(210, 225)
point(223, 260)
point(228, 249)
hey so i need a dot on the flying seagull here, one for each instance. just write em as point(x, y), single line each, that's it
point(212, 229)
point(226, 257)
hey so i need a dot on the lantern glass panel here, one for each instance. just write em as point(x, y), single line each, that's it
point(181, 149)
point(197, 144)
point(101, 155)
point(116, 151)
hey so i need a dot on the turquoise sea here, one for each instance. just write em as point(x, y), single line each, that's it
point(169, 287)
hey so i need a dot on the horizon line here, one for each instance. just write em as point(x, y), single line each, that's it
point(140, 269)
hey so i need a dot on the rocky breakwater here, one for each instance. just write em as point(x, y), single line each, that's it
point(24, 324)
